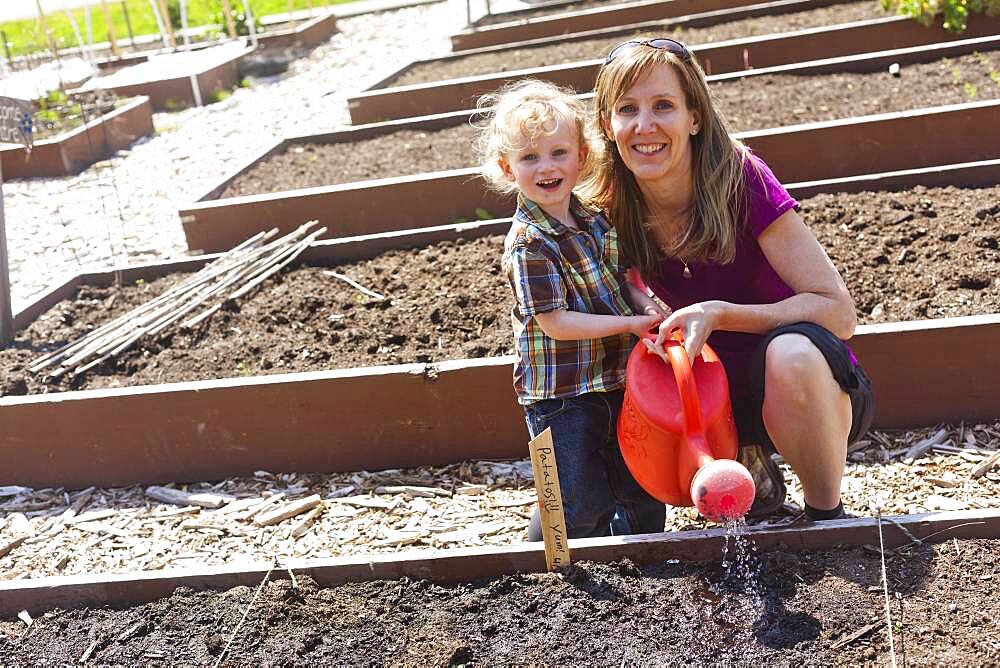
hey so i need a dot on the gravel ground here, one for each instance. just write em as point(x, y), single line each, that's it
point(124, 210)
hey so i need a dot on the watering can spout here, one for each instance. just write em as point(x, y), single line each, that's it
point(677, 432)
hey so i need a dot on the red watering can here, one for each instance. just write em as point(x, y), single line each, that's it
point(677, 434)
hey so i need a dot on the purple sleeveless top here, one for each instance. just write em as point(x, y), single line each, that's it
point(749, 279)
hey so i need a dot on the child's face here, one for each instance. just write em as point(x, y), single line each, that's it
point(547, 169)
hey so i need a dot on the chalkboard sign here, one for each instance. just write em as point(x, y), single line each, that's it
point(16, 123)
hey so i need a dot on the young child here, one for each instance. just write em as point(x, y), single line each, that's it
point(573, 316)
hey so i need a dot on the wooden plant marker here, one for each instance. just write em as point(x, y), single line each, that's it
point(550, 504)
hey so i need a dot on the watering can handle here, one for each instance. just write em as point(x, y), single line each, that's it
point(680, 363)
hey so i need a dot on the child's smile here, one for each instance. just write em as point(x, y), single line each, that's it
point(547, 168)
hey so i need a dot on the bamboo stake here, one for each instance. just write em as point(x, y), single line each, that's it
point(111, 28)
point(227, 11)
point(121, 341)
point(207, 272)
point(251, 23)
point(167, 25)
point(159, 23)
point(45, 29)
point(291, 12)
point(150, 318)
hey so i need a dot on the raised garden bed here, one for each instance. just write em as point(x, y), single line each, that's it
point(377, 104)
point(168, 79)
point(645, 605)
point(831, 149)
point(520, 57)
point(548, 9)
point(527, 24)
point(760, 101)
point(305, 34)
point(73, 151)
point(207, 430)
point(921, 253)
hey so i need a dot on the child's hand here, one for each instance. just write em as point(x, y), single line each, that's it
point(642, 324)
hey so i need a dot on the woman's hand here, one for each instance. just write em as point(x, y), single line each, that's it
point(697, 322)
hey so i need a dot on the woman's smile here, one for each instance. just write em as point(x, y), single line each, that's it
point(649, 149)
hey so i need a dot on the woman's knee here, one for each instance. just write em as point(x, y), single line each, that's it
point(795, 370)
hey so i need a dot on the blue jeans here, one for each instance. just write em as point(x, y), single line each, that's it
point(600, 496)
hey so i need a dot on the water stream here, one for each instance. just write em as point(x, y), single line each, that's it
point(731, 604)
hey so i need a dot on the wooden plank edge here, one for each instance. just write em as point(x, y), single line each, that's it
point(373, 91)
point(469, 564)
point(420, 368)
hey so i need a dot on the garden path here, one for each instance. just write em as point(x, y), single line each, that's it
point(124, 210)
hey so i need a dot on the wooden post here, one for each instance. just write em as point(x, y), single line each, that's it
point(227, 11)
point(550, 505)
point(6, 315)
point(45, 30)
point(251, 23)
point(184, 26)
point(167, 25)
point(309, 4)
point(291, 12)
point(6, 48)
point(159, 23)
point(111, 28)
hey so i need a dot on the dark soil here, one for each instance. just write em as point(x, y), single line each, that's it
point(749, 104)
point(943, 610)
point(922, 253)
point(589, 49)
point(508, 17)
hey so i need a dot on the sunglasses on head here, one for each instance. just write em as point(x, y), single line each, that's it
point(664, 43)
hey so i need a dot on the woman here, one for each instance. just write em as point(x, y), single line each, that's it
point(717, 238)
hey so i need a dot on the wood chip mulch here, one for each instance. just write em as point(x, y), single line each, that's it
point(48, 532)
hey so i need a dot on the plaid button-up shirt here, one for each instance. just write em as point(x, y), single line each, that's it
point(550, 267)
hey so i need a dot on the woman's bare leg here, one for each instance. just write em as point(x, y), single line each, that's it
point(808, 416)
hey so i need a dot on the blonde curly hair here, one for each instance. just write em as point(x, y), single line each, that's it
point(517, 115)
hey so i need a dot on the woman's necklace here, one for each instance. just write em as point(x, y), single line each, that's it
point(686, 273)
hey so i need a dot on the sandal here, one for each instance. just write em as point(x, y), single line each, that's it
point(767, 480)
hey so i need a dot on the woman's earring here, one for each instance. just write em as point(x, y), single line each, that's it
point(694, 131)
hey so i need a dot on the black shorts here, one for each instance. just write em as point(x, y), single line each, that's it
point(852, 379)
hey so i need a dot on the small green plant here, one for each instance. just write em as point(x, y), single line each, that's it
point(243, 369)
point(239, 21)
point(956, 75)
point(955, 12)
point(175, 104)
point(995, 77)
point(246, 83)
point(220, 95)
point(971, 91)
point(483, 214)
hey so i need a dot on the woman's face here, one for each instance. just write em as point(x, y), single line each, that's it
point(652, 126)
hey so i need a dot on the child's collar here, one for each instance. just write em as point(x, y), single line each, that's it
point(533, 214)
